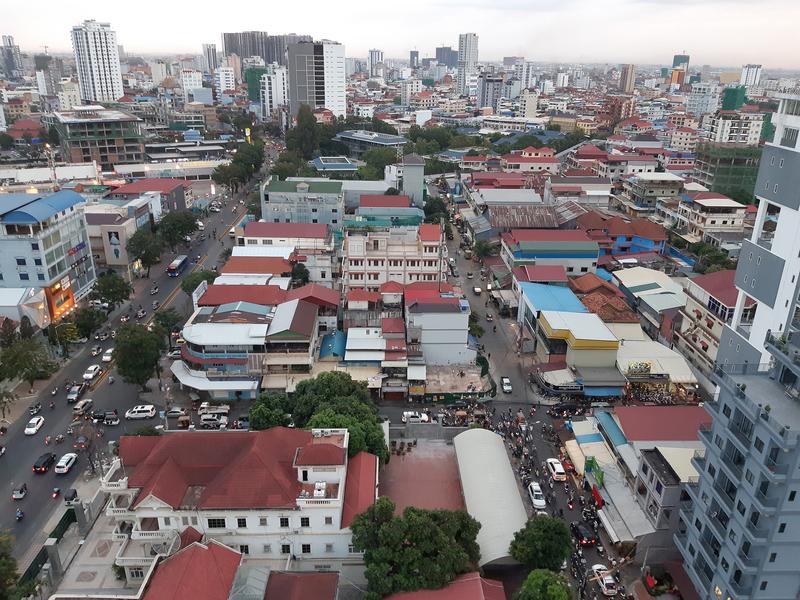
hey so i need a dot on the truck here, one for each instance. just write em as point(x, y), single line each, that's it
point(207, 408)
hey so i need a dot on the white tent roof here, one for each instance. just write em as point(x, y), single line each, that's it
point(490, 492)
point(662, 360)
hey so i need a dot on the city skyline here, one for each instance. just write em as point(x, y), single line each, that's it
point(529, 28)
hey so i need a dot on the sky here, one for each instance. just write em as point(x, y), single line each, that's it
point(716, 32)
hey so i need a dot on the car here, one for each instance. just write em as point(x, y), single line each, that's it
point(187, 238)
point(108, 355)
point(96, 350)
point(75, 392)
point(556, 469)
point(505, 383)
point(65, 463)
point(469, 275)
point(174, 354)
point(19, 492)
point(92, 372)
point(2, 449)
point(213, 421)
point(209, 408)
point(141, 411)
point(98, 304)
point(124, 318)
point(536, 496)
point(154, 290)
point(607, 583)
point(81, 442)
point(489, 317)
point(102, 336)
point(44, 462)
point(175, 412)
point(412, 416)
point(141, 314)
point(82, 407)
point(583, 533)
point(214, 209)
point(34, 425)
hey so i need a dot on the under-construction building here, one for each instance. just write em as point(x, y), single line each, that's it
point(729, 169)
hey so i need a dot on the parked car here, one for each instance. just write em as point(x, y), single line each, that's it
point(44, 462)
point(141, 411)
point(65, 463)
point(141, 313)
point(207, 408)
point(505, 383)
point(583, 533)
point(34, 425)
point(92, 372)
point(412, 416)
point(216, 421)
point(536, 496)
point(174, 354)
point(556, 469)
point(175, 412)
point(102, 336)
point(108, 355)
point(607, 583)
point(98, 304)
point(96, 350)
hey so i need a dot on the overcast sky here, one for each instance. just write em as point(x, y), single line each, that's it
point(716, 32)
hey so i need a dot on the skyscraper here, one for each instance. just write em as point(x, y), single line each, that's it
point(276, 46)
point(751, 75)
point(274, 90)
point(738, 523)
point(46, 77)
point(680, 61)
point(10, 58)
point(445, 55)
point(210, 57)
point(316, 76)
point(375, 57)
point(97, 62)
point(467, 59)
point(490, 90)
point(413, 59)
point(627, 79)
point(246, 43)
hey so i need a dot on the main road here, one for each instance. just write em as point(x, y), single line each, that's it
point(22, 451)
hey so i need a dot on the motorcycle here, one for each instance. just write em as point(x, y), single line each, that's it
point(56, 492)
point(52, 405)
point(35, 409)
point(47, 440)
point(20, 515)
point(59, 438)
point(110, 380)
point(54, 392)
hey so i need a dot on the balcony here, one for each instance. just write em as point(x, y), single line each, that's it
point(758, 534)
point(147, 529)
point(766, 504)
point(705, 434)
point(785, 349)
point(713, 519)
point(743, 437)
point(774, 470)
point(723, 495)
point(748, 562)
point(699, 460)
point(741, 590)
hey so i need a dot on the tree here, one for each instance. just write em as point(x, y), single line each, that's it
point(192, 280)
point(300, 274)
point(89, 320)
point(112, 288)
point(543, 543)
point(7, 400)
point(28, 360)
point(422, 549)
point(270, 410)
point(8, 333)
point(482, 249)
point(10, 587)
point(392, 191)
point(379, 158)
point(147, 430)
point(175, 226)
point(26, 329)
point(366, 433)
point(303, 138)
point(64, 333)
point(168, 318)
point(323, 391)
point(137, 352)
point(6, 141)
point(542, 584)
point(146, 247)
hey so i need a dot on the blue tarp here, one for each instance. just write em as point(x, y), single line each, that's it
point(589, 438)
point(602, 392)
point(611, 428)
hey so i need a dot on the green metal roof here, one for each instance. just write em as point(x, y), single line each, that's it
point(314, 187)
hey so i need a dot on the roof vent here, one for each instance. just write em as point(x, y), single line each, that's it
point(302, 186)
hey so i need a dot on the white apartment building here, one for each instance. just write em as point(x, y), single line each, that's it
point(191, 79)
point(467, 60)
point(562, 80)
point(274, 90)
point(224, 80)
point(401, 254)
point(97, 62)
point(158, 72)
point(683, 139)
point(282, 494)
point(733, 127)
point(703, 99)
point(2, 118)
point(408, 88)
point(751, 75)
point(438, 323)
point(317, 76)
point(374, 59)
point(210, 57)
point(528, 103)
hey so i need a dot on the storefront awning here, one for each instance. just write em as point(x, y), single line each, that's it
point(198, 381)
point(608, 526)
point(602, 392)
point(417, 372)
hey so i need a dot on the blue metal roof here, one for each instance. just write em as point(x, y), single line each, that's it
point(333, 344)
point(603, 274)
point(29, 209)
point(552, 297)
point(611, 428)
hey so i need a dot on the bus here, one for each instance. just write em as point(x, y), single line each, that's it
point(177, 266)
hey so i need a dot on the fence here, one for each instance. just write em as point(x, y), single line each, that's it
point(32, 572)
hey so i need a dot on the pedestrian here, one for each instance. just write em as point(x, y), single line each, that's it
point(489, 355)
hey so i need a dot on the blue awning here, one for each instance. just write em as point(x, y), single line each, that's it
point(611, 428)
point(604, 392)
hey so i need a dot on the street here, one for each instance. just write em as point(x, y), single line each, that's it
point(22, 451)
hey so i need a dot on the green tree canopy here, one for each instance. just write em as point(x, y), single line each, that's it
point(137, 352)
point(325, 391)
point(8, 333)
point(300, 274)
point(483, 248)
point(6, 141)
point(191, 280)
point(10, 588)
point(366, 433)
point(422, 549)
point(270, 410)
point(542, 584)
point(174, 226)
point(27, 359)
point(165, 319)
point(7, 400)
point(303, 138)
point(88, 320)
point(26, 329)
point(112, 288)
point(145, 246)
point(543, 543)
point(379, 158)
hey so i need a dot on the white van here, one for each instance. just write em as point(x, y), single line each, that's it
point(232, 232)
point(412, 416)
point(201, 226)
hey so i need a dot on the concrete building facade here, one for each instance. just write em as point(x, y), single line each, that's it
point(97, 62)
point(317, 76)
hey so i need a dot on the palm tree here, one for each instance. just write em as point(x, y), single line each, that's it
point(7, 400)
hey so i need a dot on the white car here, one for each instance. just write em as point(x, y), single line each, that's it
point(34, 425)
point(174, 354)
point(141, 411)
point(505, 383)
point(412, 416)
point(108, 355)
point(65, 464)
point(92, 372)
point(556, 469)
point(607, 583)
point(536, 496)
point(174, 413)
point(213, 421)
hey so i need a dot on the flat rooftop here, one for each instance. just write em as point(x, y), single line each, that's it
point(424, 476)
point(93, 113)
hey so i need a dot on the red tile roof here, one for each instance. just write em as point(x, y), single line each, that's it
point(158, 184)
point(661, 423)
point(251, 470)
point(393, 325)
point(257, 265)
point(316, 294)
point(198, 572)
point(315, 231)
point(384, 201)
point(362, 295)
point(470, 586)
point(391, 287)
point(429, 285)
point(720, 285)
point(610, 309)
point(588, 283)
point(301, 586)
point(361, 487)
point(190, 535)
point(517, 158)
point(590, 151)
point(319, 455)
point(266, 295)
point(541, 273)
point(428, 232)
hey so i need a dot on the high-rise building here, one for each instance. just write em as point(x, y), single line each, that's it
point(467, 59)
point(445, 55)
point(10, 58)
point(703, 99)
point(375, 57)
point(528, 103)
point(680, 61)
point(562, 80)
point(733, 127)
point(46, 77)
point(408, 88)
point(224, 80)
point(729, 169)
point(316, 76)
point(210, 60)
point(246, 43)
point(158, 71)
point(627, 79)
point(97, 61)
point(751, 75)
point(274, 90)
point(413, 59)
point(276, 46)
point(191, 79)
point(737, 526)
point(490, 90)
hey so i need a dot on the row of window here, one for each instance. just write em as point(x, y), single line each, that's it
point(241, 522)
point(411, 277)
point(359, 262)
point(315, 221)
point(26, 277)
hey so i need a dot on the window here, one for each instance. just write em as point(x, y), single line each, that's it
point(660, 488)
point(34, 245)
point(698, 524)
point(244, 548)
point(584, 269)
point(772, 557)
point(763, 585)
point(645, 468)
point(167, 521)
point(37, 262)
point(241, 522)
point(782, 528)
point(40, 276)
point(285, 548)
point(748, 475)
point(305, 522)
point(216, 523)
point(789, 138)
point(306, 548)
point(304, 474)
point(21, 262)
point(726, 410)
point(740, 507)
point(24, 276)
point(691, 549)
point(792, 495)
point(758, 444)
point(185, 521)
point(284, 521)
point(328, 547)
point(267, 548)
point(262, 521)
point(136, 573)
point(329, 520)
